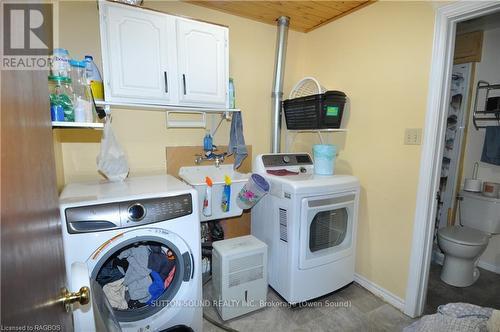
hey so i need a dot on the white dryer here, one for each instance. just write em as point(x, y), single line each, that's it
point(309, 223)
point(103, 219)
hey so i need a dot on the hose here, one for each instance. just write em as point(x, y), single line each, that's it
point(219, 325)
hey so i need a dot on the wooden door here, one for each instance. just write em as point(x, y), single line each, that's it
point(138, 57)
point(202, 55)
point(31, 248)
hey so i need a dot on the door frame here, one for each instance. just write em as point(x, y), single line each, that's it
point(446, 21)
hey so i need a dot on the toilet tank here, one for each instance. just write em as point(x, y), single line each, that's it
point(480, 212)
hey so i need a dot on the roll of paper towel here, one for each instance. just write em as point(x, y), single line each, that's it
point(473, 185)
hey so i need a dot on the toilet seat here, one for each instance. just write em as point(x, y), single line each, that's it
point(464, 235)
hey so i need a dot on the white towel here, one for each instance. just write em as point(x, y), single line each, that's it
point(493, 324)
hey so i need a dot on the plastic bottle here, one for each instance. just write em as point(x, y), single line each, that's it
point(226, 195)
point(94, 78)
point(92, 71)
point(78, 77)
point(208, 142)
point(207, 201)
point(82, 97)
point(59, 62)
point(61, 94)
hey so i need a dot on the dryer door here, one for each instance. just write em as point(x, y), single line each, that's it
point(326, 227)
point(138, 286)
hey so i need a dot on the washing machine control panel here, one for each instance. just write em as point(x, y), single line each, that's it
point(115, 215)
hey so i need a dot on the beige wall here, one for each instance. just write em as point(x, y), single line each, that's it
point(380, 56)
point(143, 134)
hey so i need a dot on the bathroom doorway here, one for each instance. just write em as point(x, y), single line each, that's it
point(464, 169)
point(448, 134)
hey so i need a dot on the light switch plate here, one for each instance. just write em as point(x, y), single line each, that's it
point(413, 136)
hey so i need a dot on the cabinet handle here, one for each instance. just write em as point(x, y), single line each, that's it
point(184, 82)
point(165, 77)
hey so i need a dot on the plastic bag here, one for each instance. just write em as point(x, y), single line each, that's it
point(111, 161)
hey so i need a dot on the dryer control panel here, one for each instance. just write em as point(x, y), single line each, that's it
point(282, 163)
point(131, 213)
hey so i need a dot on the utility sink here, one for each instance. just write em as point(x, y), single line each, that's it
point(195, 177)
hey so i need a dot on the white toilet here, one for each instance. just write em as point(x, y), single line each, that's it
point(462, 246)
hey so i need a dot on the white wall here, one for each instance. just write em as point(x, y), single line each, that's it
point(487, 70)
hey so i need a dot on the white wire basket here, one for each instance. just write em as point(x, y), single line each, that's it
point(306, 87)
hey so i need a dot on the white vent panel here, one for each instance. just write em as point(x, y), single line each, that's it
point(242, 277)
point(283, 225)
point(244, 263)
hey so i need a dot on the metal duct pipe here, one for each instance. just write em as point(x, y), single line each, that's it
point(277, 95)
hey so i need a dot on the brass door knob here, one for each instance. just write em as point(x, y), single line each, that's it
point(67, 298)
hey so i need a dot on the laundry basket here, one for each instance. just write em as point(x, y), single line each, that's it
point(306, 87)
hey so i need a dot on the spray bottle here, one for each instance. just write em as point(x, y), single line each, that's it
point(207, 201)
point(226, 195)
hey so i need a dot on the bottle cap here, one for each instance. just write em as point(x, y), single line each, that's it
point(60, 79)
point(208, 181)
point(76, 63)
point(62, 51)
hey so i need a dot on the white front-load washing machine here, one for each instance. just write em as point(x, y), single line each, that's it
point(113, 228)
point(309, 223)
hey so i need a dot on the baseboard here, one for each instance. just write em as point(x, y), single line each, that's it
point(379, 291)
point(438, 257)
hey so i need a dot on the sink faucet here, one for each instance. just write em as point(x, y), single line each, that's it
point(217, 158)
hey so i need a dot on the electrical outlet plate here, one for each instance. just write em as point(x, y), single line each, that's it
point(413, 136)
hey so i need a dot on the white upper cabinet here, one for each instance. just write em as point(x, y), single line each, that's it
point(138, 57)
point(202, 58)
point(160, 59)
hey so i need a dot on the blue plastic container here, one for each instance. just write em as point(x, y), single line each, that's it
point(324, 158)
point(57, 112)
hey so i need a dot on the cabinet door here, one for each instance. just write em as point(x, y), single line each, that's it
point(138, 58)
point(468, 47)
point(202, 55)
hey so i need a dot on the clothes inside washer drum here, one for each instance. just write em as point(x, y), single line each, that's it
point(137, 279)
point(159, 262)
point(115, 292)
point(112, 271)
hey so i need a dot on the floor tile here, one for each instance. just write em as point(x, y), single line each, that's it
point(483, 292)
point(388, 318)
point(352, 308)
point(361, 298)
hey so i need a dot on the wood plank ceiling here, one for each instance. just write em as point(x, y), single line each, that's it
point(304, 15)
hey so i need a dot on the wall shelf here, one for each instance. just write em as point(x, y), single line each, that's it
point(90, 125)
point(484, 117)
point(327, 130)
point(163, 108)
point(290, 134)
point(170, 110)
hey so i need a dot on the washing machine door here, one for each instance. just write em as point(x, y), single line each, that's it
point(180, 283)
point(98, 314)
